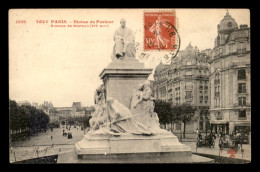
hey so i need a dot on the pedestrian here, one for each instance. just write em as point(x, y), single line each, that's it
point(197, 131)
point(51, 137)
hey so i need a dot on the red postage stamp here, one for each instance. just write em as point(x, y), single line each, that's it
point(160, 31)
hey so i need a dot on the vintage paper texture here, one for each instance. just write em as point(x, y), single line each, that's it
point(50, 60)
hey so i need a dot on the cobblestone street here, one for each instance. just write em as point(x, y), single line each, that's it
point(190, 140)
point(43, 145)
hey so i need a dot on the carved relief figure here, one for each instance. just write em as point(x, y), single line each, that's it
point(98, 116)
point(142, 106)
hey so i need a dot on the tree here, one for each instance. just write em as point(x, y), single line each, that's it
point(85, 121)
point(163, 110)
point(184, 113)
point(44, 120)
point(14, 117)
point(24, 116)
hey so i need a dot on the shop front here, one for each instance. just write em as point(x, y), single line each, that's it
point(242, 127)
point(220, 127)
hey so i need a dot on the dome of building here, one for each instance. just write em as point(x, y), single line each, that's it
point(160, 67)
point(227, 24)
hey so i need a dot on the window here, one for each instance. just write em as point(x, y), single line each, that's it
point(200, 92)
point(188, 94)
point(220, 51)
point(206, 92)
point(241, 47)
point(201, 87)
point(232, 48)
point(217, 93)
point(241, 74)
point(217, 76)
point(206, 102)
point(242, 114)
point(201, 98)
point(241, 87)
point(201, 125)
point(242, 101)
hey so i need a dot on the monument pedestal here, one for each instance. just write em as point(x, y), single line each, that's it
point(129, 145)
point(128, 148)
point(122, 77)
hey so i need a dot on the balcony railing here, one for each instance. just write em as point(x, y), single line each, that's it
point(188, 87)
point(188, 76)
point(236, 105)
point(219, 118)
point(242, 118)
point(243, 50)
point(241, 91)
point(188, 97)
point(200, 76)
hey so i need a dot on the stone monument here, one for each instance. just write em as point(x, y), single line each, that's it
point(124, 127)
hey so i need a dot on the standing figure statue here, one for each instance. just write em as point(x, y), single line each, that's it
point(124, 42)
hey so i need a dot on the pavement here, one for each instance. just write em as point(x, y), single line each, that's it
point(191, 139)
point(43, 145)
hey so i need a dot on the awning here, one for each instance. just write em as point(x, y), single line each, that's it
point(218, 122)
point(248, 123)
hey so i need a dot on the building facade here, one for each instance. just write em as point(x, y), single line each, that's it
point(25, 103)
point(53, 115)
point(186, 80)
point(230, 107)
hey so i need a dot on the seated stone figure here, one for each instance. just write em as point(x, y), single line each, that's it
point(98, 116)
point(112, 117)
point(124, 42)
point(142, 106)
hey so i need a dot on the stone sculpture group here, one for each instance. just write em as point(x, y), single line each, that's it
point(112, 117)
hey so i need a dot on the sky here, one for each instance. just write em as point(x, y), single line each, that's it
point(62, 65)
